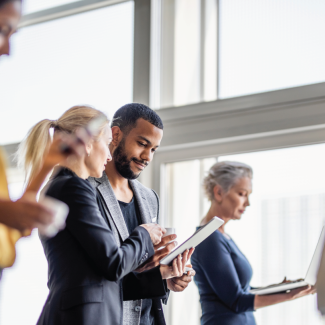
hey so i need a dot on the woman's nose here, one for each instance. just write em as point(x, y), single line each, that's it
point(109, 156)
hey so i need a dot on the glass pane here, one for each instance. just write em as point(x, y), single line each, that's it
point(82, 59)
point(185, 217)
point(30, 6)
point(278, 233)
point(187, 52)
point(270, 44)
point(184, 47)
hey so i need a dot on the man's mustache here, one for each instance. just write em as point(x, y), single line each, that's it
point(142, 162)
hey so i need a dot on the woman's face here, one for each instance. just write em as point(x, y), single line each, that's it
point(234, 202)
point(9, 18)
point(99, 154)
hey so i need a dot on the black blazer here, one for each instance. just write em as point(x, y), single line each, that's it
point(143, 285)
point(85, 263)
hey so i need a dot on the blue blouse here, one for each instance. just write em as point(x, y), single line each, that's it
point(223, 275)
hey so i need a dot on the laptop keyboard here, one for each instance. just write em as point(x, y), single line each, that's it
point(280, 284)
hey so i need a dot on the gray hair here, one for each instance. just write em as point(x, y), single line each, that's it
point(225, 174)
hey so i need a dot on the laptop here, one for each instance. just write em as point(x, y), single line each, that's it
point(310, 278)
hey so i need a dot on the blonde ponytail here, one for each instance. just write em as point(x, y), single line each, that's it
point(32, 150)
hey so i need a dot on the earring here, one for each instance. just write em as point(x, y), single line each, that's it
point(88, 154)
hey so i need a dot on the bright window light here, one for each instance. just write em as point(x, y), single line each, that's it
point(271, 44)
point(82, 59)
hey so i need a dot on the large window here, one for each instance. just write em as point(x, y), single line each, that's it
point(214, 49)
point(278, 233)
point(270, 44)
point(81, 59)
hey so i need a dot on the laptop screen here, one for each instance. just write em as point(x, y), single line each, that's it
point(311, 275)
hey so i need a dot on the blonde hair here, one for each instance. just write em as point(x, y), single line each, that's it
point(35, 146)
point(225, 174)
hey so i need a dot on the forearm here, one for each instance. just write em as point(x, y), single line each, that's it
point(269, 300)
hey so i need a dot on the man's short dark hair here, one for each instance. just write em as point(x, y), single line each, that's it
point(126, 117)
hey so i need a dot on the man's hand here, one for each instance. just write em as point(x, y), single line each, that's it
point(155, 231)
point(181, 283)
point(159, 253)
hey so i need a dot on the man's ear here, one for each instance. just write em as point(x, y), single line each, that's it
point(117, 135)
point(218, 194)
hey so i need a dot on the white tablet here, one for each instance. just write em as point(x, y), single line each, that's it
point(197, 238)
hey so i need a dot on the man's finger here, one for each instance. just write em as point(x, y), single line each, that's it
point(184, 259)
point(181, 284)
point(190, 253)
point(159, 254)
point(165, 241)
point(184, 278)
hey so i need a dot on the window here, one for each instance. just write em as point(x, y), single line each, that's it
point(81, 59)
point(184, 52)
point(268, 45)
point(278, 233)
point(30, 6)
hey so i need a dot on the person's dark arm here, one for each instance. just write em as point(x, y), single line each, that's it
point(147, 284)
point(88, 227)
point(215, 259)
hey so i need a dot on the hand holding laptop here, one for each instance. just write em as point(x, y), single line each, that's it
point(309, 280)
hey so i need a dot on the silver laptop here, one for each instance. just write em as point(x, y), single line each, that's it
point(310, 278)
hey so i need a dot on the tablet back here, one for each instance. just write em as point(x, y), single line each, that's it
point(197, 238)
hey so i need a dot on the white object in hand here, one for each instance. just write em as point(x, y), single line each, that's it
point(61, 211)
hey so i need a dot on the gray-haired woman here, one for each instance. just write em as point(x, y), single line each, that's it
point(223, 273)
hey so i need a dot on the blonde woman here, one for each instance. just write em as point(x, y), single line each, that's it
point(223, 273)
point(85, 262)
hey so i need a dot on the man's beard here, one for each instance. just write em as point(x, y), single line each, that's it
point(123, 164)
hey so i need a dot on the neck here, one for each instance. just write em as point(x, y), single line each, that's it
point(78, 167)
point(215, 211)
point(117, 181)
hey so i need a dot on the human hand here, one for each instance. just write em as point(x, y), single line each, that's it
point(181, 283)
point(177, 269)
point(284, 281)
point(25, 214)
point(65, 145)
point(301, 292)
point(155, 231)
point(159, 253)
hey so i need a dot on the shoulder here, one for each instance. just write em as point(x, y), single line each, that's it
point(69, 185)
point(95, 182)
point(216, 243)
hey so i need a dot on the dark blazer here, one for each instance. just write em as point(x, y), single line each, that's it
point(85, 263)
point(148, 203)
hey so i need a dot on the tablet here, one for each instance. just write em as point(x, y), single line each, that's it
point(197, 238)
